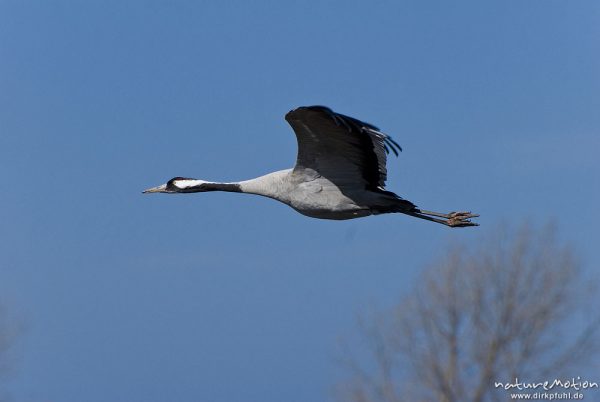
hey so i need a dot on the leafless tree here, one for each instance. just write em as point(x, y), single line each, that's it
point(515, 306)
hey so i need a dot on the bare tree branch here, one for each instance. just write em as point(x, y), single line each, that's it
point(515, 306)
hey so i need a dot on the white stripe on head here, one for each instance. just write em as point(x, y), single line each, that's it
point(187, 183)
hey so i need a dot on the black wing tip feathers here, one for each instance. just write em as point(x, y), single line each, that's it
point(393, 145)
point(348, 122)
point(317, 108)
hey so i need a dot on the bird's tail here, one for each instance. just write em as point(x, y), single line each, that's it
point(395, 204)
point(404, 206)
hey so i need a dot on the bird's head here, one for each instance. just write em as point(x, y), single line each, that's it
point(178, 185)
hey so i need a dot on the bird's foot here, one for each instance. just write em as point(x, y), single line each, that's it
point(461, 219)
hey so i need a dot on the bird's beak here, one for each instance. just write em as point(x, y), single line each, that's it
point(159, 189)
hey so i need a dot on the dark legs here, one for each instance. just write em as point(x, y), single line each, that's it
point(453, 219)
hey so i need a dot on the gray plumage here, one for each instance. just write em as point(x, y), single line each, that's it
point(340, 172)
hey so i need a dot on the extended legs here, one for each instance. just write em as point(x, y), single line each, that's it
point(453, 219)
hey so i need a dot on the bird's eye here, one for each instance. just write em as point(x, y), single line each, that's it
point(173, 180)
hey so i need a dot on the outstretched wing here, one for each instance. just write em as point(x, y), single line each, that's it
point(342, 149)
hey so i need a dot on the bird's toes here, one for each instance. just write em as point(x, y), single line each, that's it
point(462, 215)
point(461, 219)
point(461, 223)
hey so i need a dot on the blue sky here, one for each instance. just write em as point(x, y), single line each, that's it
point(226, 297)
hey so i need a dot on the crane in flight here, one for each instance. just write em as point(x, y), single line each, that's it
point(340, 173)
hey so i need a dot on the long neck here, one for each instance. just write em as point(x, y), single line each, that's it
point(198, 186)
point(273, 185)
point(230, 187)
